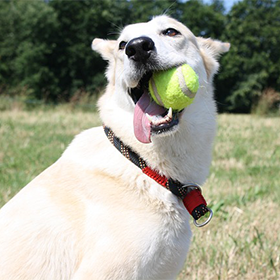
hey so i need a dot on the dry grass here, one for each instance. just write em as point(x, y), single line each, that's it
point(243, 189)
point(243, 239)
point(33, 140)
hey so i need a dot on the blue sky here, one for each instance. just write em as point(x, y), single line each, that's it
point(228, 3)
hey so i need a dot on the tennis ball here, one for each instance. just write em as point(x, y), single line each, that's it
point(175, 87)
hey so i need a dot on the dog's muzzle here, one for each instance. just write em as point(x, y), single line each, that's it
point(149, 117)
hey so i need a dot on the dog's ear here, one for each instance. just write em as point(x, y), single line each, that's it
point(104, 47)
point(211, 51)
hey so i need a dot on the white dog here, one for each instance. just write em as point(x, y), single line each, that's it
point(94, 214)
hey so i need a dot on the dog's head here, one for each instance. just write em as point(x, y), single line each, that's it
point(142, 48)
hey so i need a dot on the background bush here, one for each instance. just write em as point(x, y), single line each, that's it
point(45, 49)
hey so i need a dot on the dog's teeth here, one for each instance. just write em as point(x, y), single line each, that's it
point(167, 119)
point(158, 120)
point(170, 113)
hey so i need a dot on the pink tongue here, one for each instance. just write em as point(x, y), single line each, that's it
point(142, 125)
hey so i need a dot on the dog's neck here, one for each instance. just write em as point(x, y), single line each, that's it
point(184, 156)
point(190, 193)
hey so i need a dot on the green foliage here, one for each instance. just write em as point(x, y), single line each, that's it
point(204, 20)
point(45, 48)
point(26, 46)
point(253, 63)
point(142, 11)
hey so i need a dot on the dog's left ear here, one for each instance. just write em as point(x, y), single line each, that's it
point(104, 47)
point(211, 51)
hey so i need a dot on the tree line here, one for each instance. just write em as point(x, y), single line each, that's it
point(45, 49)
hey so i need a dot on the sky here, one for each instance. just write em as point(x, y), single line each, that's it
point(228, 3)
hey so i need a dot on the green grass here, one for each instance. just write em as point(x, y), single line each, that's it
point(33, 140)
point(243, 239)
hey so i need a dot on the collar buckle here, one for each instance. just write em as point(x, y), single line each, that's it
point(207, 221)
point(196, 204)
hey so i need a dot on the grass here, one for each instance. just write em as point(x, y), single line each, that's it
point(243, 239)
point(33, 140)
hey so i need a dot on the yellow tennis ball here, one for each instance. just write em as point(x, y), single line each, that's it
point(175, 87)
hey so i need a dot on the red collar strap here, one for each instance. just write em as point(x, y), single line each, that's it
point(190, 193)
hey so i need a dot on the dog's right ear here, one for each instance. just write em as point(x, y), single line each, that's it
point(104, 47)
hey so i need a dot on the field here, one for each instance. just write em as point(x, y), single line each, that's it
point(243, 239)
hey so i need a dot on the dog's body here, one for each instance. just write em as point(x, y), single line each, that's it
point(93, 214)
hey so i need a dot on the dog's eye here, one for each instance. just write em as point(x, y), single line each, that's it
point(122, 45)
point(171, 32)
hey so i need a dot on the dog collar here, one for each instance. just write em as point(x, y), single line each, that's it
point(190, 193)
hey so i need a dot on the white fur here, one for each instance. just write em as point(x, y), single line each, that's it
point(93, 214)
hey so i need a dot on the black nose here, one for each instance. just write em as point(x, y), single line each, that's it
point(140, 49)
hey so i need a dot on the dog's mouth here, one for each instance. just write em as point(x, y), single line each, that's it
point(150, 118)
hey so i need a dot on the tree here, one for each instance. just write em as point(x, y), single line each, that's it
point(143, 11)
point(45, 44)
point(253, 63)
point(204, 20)
point(76, 65)
point(26, 47)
